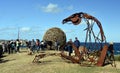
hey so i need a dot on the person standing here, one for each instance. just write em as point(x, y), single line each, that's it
point(12, 46)
point(33, 45)
point(69, 46)
point(42, 45)
point(17, 45)
point(37, 45)
point(3, 46)
point(56, 45)
point(9, 47)
point(77, 42)
point(111, 51)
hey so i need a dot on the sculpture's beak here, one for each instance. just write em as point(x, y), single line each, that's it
point(65, 21)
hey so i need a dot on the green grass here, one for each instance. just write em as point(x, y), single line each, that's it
point(117, 58)
point(22, 63)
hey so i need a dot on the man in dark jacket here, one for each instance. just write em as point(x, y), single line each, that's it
point(69, 46)
point(77, 42)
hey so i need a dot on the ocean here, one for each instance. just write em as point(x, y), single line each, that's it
point(97, 47)
point(117, 48)
point(94, 46)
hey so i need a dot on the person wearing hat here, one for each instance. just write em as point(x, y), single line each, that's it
point(111, 51)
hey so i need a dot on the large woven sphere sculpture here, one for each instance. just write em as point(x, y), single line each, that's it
point(54, 34)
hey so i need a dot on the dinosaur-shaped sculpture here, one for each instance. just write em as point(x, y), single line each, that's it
point(76, 19)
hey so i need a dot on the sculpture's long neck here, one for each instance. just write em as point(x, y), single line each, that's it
point(101, 29)
point(86, 16)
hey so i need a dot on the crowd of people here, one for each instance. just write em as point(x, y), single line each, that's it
point(42, 45)
point(11, 46)
point(34, 45)
point(68, 46)
point(37, 45)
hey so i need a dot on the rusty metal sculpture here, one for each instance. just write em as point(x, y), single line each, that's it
point(76, 19)
point(77, 57)
point(42, 55)
point(97, 57)
point(90, 21)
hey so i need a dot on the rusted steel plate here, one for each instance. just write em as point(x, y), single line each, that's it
point(74, 60)
point(102, 56)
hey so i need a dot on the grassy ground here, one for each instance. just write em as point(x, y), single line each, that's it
point(22, 63)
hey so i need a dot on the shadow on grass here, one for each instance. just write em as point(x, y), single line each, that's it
point(3, 56)
point(44, 62)
point(4, 61)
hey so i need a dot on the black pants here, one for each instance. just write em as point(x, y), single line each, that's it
point(18, 49)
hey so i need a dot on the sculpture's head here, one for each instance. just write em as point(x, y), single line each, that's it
point(74, 18)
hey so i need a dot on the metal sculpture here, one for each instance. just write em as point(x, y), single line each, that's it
point(76, 19)
point(42, 55)
point(77, 57)
point(100, 37)
point(97, 57)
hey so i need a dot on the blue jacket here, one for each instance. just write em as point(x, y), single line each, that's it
point(77, 43)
